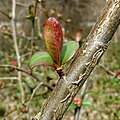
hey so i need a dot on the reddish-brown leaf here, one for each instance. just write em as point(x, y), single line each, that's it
point(53, 38)
point(117, 74)
point(13, 61)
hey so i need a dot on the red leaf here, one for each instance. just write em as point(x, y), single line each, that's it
point(13, 62)
point(11, 59)
point(53, 38)
point(117, 74)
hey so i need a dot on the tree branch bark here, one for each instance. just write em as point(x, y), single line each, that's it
point(84, 63)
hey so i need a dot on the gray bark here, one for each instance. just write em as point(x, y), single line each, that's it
point(84, 63)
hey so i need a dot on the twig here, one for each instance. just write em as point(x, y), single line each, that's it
point(108, 71)
point(23, 37)
point(5, 14)
point(8, 78)
point(79, 110)
point(28, 73)
point(16, 68)
point(24, 55)
point(36, 4)
point(33, 27)
point(82, 108)
point(38, 21)
point(16, 48)
point(22, 5)
point(32, 95)
point(35, 89)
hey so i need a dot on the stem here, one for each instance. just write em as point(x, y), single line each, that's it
point(28, 73)
point(108, 71)
point(8, 78)
point(5, 14)
point(79, 110)
point(33, 93)
point(33, 28)
point(16, 49)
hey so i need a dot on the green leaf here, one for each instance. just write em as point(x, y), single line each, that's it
point(31, 12)
point(31, 9)
point(53, 38)
point(52, 74)
point(72, 106)
point(31, 17)
point(87, 103)
point(115, 80)
point(68, 51)
point(41, 58)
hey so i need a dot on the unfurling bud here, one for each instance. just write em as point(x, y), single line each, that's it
point(77, 101)
point(54, 39)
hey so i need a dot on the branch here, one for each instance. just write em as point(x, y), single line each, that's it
point(28, 73)
point(108, 71)
point(16, 48)
point(79, 110)
point(33, 93)
point(22, 5)
point(20, 36)
point(5, 14)
point(33, 27)
point(8, 78)
point(84, 63)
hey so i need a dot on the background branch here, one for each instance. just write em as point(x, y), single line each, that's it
point(33, 93)
point(30, 73)
point(79, 110)
point(5, 14)
point(108, 71)
point(33, 28)
point(16, 49)
point(8, 78)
